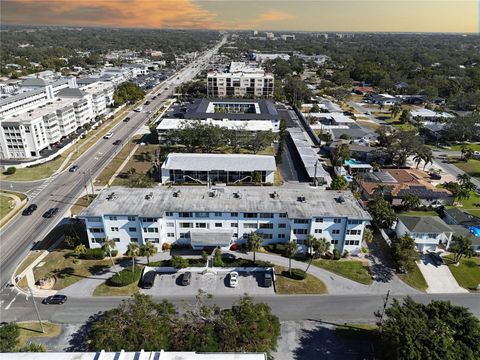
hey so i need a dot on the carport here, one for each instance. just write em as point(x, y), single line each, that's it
point(208, 238)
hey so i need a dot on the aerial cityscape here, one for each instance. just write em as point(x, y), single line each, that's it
point(239, 180)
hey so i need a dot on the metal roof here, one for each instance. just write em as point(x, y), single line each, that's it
point(225, 162)
point(424, 224)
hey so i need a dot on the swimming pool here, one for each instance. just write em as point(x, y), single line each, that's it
point(475, 230)
point(352, 162)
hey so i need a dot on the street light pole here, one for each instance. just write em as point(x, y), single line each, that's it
point(36, 309)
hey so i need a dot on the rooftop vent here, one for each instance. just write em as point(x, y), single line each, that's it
point(111, 196)
point(237, 195)
point(149, 196)
point(340, 199)
point(301, 198)
point(176, 193)
point(274, 195)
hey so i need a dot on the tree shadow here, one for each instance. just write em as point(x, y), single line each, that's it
point(381, 269)
point(99, 269)
point(64, 273)
point(78, 340)
point(335, 341)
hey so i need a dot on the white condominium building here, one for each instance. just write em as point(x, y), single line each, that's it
point(241, 80)
point(218, 168)
point(102, 96)
point(203, 217)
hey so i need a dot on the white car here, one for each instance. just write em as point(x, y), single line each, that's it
point(108, 135)
point(233, 279)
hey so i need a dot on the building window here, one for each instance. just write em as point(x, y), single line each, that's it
point(116, 239)
point(112, 218)
point(319, 220)
point(153, 240)
point(234, 214)
point(148, 219)
point(281, 236)
point(186, 225)
point(266, 226)
point(354, 232)
point(169, 213)
point(96, 230)
point(266, 215)
point(131, 218)
point(249, 225)
point(170, 234)
point(318, 231)
point(201, 225)
point(185, 214)
point(114, 229)
point(300, 221)
point(235, 235)
point(354, 222)
point(282, 226)
point(132, 229)
point(282, 215)
point(150, 230)
point(218, 225)
point(202, 215)
point(234, 225)
point(95, 219)
point(170, 224)
point(266, 236)
point(334, 242)
point(184, 236)
point(335, 231)
point(300, 231)
point(218, 214)
point(249, 215)
point(337, 220)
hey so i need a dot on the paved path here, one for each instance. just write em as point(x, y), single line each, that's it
point(439, 278)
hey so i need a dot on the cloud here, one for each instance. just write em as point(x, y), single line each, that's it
point(110, 13)
point(275, 15)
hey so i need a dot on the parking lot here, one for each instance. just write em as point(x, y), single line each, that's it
point(216, 284)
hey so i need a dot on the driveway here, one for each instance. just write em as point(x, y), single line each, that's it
point(439, 278)
point(215, 284)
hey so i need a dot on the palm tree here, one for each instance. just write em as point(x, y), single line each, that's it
point(108, 246)
point(411, 201)
point(148, 250)
point(291, 251)
point(133, 250)
point(417, 159)
point(254, 242)
point(319, 247)
point(380, 189)
point(427, 157)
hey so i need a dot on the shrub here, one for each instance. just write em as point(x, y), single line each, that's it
point(179, 262)
point(297, 274)
point(114, 252)
point(165, 246)
point(336, 254)
point(93, 254)
point(11, 170)
point(345, 254)
point(126, 277)
point(217, 259)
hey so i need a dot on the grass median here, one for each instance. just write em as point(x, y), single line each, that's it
point(415, 279)
point(29, 330)
point(467, 272)
point(351, 269)
point(288, 286)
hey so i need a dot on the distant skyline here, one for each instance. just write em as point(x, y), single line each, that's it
point(461, 16)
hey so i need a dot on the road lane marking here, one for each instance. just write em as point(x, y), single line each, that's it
point(11, 302)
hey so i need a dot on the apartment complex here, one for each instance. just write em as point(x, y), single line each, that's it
point(218, 217)
point(239, 81)
point(222, 168)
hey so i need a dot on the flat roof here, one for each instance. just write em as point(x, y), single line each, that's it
point(318, 202)
point(43, 110)
point(430, 113)
point(248, 125)
point(225, 162)
point(267, 110)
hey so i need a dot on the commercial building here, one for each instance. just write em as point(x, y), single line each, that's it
point(261, 57)
point(218, 168)
point(240, 80)
point(220, 216)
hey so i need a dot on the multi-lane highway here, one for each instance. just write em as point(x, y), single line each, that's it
point(62, 190)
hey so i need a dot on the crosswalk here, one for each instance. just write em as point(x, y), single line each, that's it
point(42, 186)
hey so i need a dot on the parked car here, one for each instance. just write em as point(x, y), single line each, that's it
point(233, 279)
point(138, 109)
point(108, 135)
point(149, 279)
point(55, 300)
point(147, 102)
point(186, 278)
point(52, 212)
point(267, 279)
point(127, 119)
point(73, 168)
point(117, 142)
point(29, 210)
point(435, 176)
point(436, 259)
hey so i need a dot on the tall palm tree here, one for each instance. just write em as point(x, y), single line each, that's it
point(148, 250)
point(133, 250)
point(108, 246)
point(254, 242)
point(427, 157)
point(380, 189)
point(319, 247)
point(411, 201)
point(417, 159)
point(463, 179)
point(291, 251)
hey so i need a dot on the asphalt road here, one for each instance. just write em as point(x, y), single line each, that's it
point(337, 308)
point(62, 190)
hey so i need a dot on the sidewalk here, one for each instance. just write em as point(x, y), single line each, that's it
point(28, 274)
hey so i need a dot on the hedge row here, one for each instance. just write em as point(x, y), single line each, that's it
point(297, 274)
point(126, 277)
point(94, 254)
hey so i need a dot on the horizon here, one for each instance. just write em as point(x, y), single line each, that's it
point(351, 16)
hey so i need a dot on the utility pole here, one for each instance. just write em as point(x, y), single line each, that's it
point(36, 309)
point(385, 303)
point(315, 174)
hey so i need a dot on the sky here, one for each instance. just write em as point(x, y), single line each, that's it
point(278, 15)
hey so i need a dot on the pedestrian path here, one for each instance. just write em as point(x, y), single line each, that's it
point(42, 186)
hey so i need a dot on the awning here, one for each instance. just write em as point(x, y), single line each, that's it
point(211, 238)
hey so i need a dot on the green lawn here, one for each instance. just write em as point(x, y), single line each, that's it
point(5, 205)
point(458, 147)
point(285, 285)
point(467, 273)
point(419, 213)
point(105, 290)
point(471, 167)
point(352, 269)
point(415, 279)
point(31, 257)
point(66, 270)
point(468, 205)
point(30, 330)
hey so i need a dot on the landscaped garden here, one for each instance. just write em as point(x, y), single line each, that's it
point(467, 272)
point(284, 284)
point(352, 269)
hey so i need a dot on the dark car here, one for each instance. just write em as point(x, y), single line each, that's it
point(29, 210)
point(186, 278)
point(73, 168)
point(267, 279)
point(153, 98)
point(55, 300)
point(436, 259)
point(147, 102)
point(127, 119)
point(149, 279)
point(50, 213)
point(117, 142)
point(435, 176)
